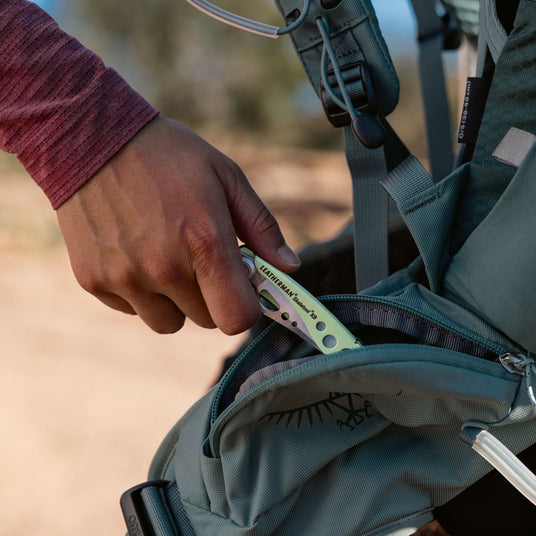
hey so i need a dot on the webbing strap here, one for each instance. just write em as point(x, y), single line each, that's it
point(425, 207)
point(157, 512)
point(407, 180)
point(367, 166)
point(348, 64)
point(147, 510)
point(492, 35)
point(431, 38)
point(371, 211)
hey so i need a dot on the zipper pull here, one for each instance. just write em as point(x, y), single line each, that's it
point(522, 365)
point(514, 364)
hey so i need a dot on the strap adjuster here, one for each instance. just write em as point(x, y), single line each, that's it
point(134, 512)
point(357, 80)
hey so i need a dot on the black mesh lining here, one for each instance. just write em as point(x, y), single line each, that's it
point(373, 323)
point(420, 329)
point(506, 11)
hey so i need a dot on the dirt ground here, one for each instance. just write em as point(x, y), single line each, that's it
point(88, 393)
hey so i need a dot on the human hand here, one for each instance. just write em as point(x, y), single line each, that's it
point(154, 233)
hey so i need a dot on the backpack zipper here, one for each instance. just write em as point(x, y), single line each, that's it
point(494, 348)
point(458, 334)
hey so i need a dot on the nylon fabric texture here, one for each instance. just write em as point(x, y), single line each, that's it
point(492, 272)
point(511, 96)
point(293, 441)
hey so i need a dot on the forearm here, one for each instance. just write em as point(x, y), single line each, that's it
point(62, 112)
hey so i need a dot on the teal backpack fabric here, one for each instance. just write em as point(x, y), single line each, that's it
point(369, 441)
point(361, 442)
point(494, 258)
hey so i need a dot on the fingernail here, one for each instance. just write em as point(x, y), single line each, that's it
point(288, 256)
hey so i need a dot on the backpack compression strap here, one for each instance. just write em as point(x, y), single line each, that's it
point(347, 61)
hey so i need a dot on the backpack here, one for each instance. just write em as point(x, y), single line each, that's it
point(371, 440)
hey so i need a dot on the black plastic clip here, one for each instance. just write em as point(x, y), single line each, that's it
point(134, 512)
point(367, 126)
point(352, 73)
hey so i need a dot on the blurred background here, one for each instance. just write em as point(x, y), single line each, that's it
point(87, 393)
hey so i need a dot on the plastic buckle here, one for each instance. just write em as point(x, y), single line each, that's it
point(134, 512)
point(352, 72)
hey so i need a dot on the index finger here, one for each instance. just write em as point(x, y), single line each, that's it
point(227, 291)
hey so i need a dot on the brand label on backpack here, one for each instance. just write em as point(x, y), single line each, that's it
point(474, 101)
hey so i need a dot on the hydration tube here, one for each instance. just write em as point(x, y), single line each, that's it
point(247, 24)
point(519, 475)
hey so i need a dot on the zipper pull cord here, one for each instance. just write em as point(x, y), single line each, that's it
point(530, 368)
point(523, 365)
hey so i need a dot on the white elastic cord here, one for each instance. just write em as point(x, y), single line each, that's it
point(525, 365)
point(235, 20)
point(492, 450)
point(530, 389)
point(249, 25)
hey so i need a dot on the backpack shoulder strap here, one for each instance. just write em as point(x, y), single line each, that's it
point(347, 61)
point(492, 36)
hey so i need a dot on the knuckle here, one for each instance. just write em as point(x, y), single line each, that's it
point(167, 328)
point(87, 279)
point(161, 271)
point(202, 240)
point(161, 315)
point(265, 222)
point(123, 278)
point(233, 176)
point(207, 323)
point(234, 171)
point(234, 325)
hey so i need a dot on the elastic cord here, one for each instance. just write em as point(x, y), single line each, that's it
point(298, 22)
point(328, 50)
point(249, 25)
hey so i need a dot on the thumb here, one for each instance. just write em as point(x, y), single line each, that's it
point(257, 227)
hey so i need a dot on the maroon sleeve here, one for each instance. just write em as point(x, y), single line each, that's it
point(62, 112)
